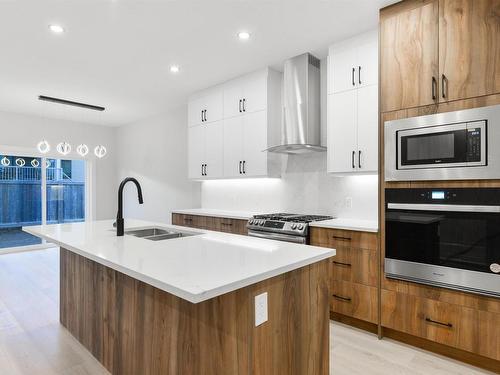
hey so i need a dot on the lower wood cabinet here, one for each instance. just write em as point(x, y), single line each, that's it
point(355, 300)
point(219, 224)
point(464, 328)
point(353, 271)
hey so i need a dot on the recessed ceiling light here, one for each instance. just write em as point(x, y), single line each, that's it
point(244, 35)
point(174, 68)
point(58, 29)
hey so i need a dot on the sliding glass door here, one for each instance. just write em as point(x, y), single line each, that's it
point(23, 179)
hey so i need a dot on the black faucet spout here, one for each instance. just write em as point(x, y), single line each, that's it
point(120, 223)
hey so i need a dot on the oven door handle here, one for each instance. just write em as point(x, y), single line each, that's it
point(443, 207)
point(276, 236)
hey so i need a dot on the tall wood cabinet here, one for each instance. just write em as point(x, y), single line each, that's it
point(438, 56)
point(438, 51)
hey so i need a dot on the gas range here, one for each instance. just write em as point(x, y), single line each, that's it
point(283, 226)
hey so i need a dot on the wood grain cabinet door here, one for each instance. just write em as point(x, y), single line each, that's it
point(409, 58)
point(469, 48)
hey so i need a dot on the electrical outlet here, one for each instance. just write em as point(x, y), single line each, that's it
point(260, 309)
point(348, 202)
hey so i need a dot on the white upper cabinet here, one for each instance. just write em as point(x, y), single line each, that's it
point(206, 107)
point(352, 112)
point(353, 63)
point(235, 146)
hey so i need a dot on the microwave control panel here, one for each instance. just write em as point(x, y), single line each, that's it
point(474, 141)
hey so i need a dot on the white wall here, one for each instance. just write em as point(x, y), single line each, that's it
point(25, 131)
point(304, 187)
point(155, 152)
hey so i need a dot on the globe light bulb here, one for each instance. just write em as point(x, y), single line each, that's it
point(64, 148)
point(82, 150)
point(35, 163)
point(20, 162)
point(43, 146)
point(100, 151)
point(5, 161)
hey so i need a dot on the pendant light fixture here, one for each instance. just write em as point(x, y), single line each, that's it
point(35, 163)
point(82, 150)
point(5, 161)
point(43, 146)
point(64, 148)
point(100, 151)
point(20, 162)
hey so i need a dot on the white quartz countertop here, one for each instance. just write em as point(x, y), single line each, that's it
point(195, 268)
point(348, 224)
point(243, 215)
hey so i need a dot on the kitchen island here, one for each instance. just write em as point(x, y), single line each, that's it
point(187, 305)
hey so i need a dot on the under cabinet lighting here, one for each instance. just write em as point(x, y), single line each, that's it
point(57, 29)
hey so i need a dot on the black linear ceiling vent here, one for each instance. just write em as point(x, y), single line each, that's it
point(69, 102)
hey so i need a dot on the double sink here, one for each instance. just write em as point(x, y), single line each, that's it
point(158, 234)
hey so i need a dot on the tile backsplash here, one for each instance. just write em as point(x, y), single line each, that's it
point(304, 187)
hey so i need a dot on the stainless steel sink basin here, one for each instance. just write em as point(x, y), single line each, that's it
point(157, 234)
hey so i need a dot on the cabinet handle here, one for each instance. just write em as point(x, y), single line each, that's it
point(429, 320)
point(202, 170)
point(186, 219)
point(353, 71)
point(240, 166)
point(434, 87)
point(346, 299)
point(239, 106)
point(341, 263)
point(201, 114)
point(244, 105)
point(444, 87)
point(228, 224)
point(205, 115)
point(359, 74)
point(205, 169)
point(359, 159)
point(244, 171)
point(341, 238)
point(353, 165)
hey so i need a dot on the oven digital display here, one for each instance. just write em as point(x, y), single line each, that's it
point(274, 224)
point(437, 195)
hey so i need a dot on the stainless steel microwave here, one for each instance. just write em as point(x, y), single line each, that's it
point(447, 146)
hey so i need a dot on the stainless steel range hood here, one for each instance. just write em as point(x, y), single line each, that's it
point(301, 127)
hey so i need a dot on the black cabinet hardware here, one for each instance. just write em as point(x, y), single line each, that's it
point(201, 114)
point(353, 71)
point(359, 159)
point(359, 74)
point(341, 263)
point(353, 165)
point(239, 106)
point(434, 87)
point(346, 299)
point(244, 167)
point(240, 166)
point(444, 86)
point(429, 320)
point(227, 224)
point(244, 105)
point(340, 238)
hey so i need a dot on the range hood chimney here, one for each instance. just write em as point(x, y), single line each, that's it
point(301, 127)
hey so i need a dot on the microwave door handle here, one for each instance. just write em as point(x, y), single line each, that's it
point(443, 207)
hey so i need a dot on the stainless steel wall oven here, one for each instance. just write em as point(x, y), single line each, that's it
point(444, 237)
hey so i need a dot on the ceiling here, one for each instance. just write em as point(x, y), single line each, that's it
point(117, 53)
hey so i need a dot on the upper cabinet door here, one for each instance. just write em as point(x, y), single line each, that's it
point(343, 67)
point(196, 151)
point(213, 104)
point(255, 144)
point(214, 149)
point(409, 58)
point(342, 129)
point(195, 111)
point(233, 146)
point(469, 48)
point(255, 92)
point(367, 112)
point(367, 60)
point(233, 98)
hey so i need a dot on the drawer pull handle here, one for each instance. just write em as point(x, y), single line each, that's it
point(340, 238)
point(341, 263)
point(347, 299)
point(429, 320)
point(227, 224)
point(188, 219)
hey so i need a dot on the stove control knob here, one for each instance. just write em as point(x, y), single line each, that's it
point(261, 222)
point(294, 226)
point(301, 226)
point(250, 221)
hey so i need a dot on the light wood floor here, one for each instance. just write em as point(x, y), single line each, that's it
point(32, 342)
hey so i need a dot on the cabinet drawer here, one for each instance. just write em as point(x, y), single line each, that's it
point(355, 300)
point(355, 265)
point(193, 221)
point(235, 226)
point(464, 328)
point(336, 238)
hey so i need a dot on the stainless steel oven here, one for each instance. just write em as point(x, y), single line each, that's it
point(444, 237)
point(444, 146)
